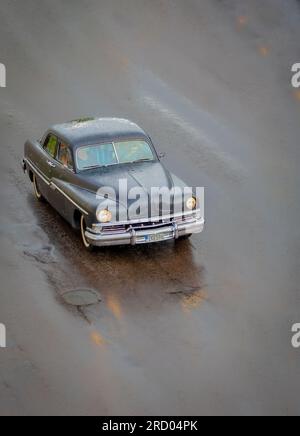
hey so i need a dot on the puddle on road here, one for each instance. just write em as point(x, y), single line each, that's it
point(44, 254)
point(81, 297)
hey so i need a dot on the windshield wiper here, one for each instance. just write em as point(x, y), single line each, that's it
point(101, 166)
point(91, 167)
point(142, 160)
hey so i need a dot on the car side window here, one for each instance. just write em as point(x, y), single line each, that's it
point(50, 145)
point(65, 156)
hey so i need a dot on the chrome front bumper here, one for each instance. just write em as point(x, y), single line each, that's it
point(131, 236)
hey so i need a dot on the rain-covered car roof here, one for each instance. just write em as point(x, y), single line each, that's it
point(93, 130)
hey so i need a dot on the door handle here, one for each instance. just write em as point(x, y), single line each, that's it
point(51, 164)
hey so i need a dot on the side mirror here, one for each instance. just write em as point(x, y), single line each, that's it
point(161, 155)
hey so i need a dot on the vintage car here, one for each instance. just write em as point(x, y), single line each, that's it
point(73, 161)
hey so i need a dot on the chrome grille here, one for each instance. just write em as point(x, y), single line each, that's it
point(114, 229)
point(118, 228)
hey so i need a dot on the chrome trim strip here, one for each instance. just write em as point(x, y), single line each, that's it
point(69, 198)
point(38, 172)
point(47, 181)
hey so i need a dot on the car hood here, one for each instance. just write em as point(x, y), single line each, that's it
point(144, 175)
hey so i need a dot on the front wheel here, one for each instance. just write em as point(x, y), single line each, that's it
point(36, 189)
point(86, 243)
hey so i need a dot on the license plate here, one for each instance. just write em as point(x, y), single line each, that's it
point(156, 237)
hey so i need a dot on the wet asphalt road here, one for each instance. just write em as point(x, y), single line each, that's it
point(198, 327)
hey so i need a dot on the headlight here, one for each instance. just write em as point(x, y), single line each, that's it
point(191, 203)
point(104, 216)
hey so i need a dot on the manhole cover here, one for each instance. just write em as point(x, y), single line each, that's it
point(81, 297)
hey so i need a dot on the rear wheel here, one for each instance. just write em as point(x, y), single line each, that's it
point(86, 243)
point(36, 189)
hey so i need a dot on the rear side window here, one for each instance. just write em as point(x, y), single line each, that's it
point(50, 145)
point(65, 156)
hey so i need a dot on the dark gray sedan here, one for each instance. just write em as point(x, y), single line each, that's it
point(102, 174)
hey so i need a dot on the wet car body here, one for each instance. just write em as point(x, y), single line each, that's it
point(73, 192)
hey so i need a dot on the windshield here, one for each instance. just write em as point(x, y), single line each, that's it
point(93, 156)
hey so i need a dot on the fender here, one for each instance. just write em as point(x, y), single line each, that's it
point(79, 199)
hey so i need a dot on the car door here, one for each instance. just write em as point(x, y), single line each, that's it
point(62, 174)
point(47, 164)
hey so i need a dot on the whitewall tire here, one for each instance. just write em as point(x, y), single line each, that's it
point(86, 244)
point(36, 190)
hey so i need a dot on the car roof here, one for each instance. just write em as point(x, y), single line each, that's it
point(92, 130)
